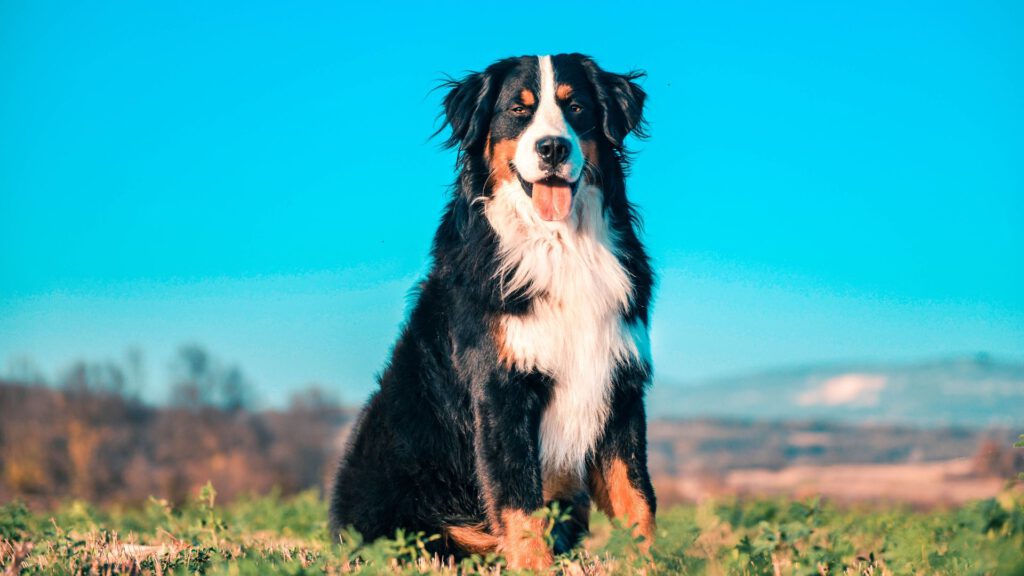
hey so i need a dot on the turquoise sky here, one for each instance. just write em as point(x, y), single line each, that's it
point(824, 181)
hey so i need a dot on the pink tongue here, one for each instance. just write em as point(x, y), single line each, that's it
point(552, 202)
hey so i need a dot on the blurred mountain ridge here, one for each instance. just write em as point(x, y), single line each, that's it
point(975, 391)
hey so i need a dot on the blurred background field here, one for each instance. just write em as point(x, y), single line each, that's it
point(96, 480)
point(925, 435)
point(942, 433)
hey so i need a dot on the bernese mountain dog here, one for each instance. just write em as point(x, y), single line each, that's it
point(518, 379)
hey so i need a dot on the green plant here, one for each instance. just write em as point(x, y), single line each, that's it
point(288, 535)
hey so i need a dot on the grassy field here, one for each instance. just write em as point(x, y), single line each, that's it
point(288, 536)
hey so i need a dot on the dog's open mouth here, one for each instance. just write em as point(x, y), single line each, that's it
point(552, 196)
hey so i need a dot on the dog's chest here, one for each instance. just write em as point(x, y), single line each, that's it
point(575, 334)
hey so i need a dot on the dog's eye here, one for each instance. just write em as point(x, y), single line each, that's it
point(575, 107)
point(520, 110)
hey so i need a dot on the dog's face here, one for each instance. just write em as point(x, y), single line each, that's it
point(544, 124)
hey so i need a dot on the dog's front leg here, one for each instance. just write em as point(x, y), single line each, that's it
point(507, 414)
point(619, 481)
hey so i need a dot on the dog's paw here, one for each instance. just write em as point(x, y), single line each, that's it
point(533, 556)
point(523, 544)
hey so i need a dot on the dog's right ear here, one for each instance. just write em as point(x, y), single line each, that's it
point(621, 101)
point(469, 104)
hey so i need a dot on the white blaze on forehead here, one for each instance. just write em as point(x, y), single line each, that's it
point(548, 120)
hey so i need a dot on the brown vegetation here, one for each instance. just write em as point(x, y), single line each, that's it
point(88, 439)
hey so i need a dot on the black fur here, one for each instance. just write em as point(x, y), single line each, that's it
point(452, 435)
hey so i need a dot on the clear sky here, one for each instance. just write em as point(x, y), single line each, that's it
point(824, 181)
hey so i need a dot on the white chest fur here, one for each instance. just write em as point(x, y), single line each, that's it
point(574, 332)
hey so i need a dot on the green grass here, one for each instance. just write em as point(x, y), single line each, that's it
point(271, 534)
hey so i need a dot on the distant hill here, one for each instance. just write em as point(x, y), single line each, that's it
point(976, 391)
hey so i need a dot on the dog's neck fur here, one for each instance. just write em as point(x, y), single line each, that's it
point(574, 331)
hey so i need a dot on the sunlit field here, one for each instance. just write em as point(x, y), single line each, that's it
point(289, 536)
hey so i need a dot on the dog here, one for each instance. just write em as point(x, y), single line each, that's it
point(519, 377)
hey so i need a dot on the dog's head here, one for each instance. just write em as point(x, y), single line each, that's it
point(544, 124)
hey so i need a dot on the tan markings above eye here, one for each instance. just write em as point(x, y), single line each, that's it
point(527, 97)
point(563, 91)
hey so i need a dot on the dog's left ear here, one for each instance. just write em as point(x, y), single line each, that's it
point(622, 103)
point(469, 104)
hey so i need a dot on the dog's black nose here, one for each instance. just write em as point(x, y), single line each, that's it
point(553, 150)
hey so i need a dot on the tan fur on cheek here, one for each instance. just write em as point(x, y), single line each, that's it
point(502, 153)
point(522, 541)
point(589, 148)
point(590, 154)
point(616, 497)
